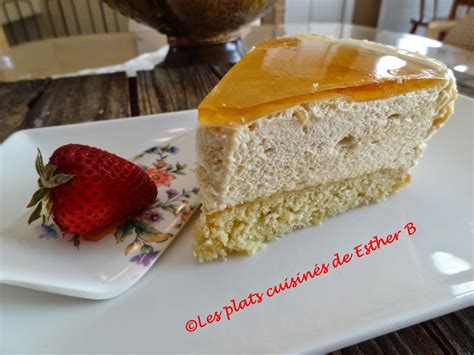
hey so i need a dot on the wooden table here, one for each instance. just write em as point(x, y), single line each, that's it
point(41, 103)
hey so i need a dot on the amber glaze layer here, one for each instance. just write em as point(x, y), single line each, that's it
point(288, 71)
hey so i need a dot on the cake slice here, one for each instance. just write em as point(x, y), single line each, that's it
point(306, 127)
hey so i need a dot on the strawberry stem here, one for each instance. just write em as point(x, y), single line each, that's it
point(46, 182)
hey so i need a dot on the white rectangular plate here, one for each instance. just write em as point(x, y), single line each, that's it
point(406, 282)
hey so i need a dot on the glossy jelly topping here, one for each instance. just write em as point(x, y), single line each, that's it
point(288, 71)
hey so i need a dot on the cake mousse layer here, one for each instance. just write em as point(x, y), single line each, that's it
point(247, 227)
point(317, 142)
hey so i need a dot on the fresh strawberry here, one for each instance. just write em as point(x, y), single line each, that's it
point(86, 190)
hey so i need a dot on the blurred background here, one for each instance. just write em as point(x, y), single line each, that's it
point(50, 38)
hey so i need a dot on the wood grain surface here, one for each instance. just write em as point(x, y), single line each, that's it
point(15, 102)
point(450, 334)
point(41, 103)
point(81, 99)
point(174, 89)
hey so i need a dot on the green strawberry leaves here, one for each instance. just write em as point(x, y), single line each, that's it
point(37, 196)
point(46, 182)
point(39, 164)
point(46, 173)
point(56, 180)
point(36, 213)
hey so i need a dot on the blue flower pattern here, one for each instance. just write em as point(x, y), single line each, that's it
point(48, 231)
point(144, 258)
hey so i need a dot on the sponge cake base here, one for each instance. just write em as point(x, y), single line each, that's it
point(246, 228)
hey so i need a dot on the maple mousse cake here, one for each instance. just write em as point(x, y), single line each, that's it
point(305, 127)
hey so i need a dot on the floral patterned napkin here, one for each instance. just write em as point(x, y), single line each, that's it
point(146, 235)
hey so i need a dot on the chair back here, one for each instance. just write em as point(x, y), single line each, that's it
point(457, 4)
point(462, 35)
point(31, 20)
